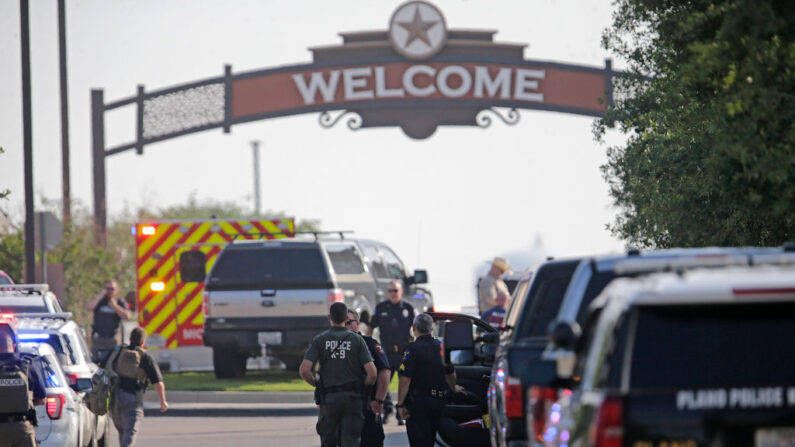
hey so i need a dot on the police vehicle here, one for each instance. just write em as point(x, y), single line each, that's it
point(699, 358)
point(67, 339)
point(61, 417)
point(21, 298)
point(564, 298)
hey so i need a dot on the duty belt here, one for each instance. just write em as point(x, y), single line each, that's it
point(19, 417)
point(355, 387)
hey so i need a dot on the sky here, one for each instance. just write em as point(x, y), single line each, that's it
point(447, 204)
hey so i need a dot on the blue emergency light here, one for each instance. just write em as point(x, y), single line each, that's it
point(33, 336)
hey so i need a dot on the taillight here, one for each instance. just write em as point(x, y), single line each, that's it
point(55, 403)
point(541, 400)
point(335, 296)
point(514, 403)
point(206, 305)
point(72, 378)
point(609, 430)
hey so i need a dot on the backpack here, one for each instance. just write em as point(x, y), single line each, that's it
point(128, 364)
point(104, 384)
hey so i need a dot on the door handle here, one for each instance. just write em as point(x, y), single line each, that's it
point(267, 292)
point(268, 303)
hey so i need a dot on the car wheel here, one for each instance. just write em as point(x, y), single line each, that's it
point(228, 365)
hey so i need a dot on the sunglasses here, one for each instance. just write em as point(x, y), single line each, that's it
point(393, 290)
point(351, 321)
point(110, 288)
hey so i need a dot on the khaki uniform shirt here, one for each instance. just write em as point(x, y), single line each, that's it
point(488, 288)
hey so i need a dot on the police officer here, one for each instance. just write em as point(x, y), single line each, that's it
point(393, 318)
point(108, 311)
point(136, 368)
point(21, 387)
point(341, 355)
point(423, 384)
point(373, 402)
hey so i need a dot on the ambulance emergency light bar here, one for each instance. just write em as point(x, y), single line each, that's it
point(146, 230)
point(293, 233)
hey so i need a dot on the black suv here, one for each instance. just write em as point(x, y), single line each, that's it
point(274, 294)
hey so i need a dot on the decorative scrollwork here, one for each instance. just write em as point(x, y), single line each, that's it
point(327, 120)
point(509, 117)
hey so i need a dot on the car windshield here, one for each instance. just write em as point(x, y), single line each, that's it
point(701, 346)
point(16, 304)
point(277, 266)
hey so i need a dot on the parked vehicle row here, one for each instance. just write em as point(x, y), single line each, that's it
point(274, 294)
point(52, 339)
point(572, 365)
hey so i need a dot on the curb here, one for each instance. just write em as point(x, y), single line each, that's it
point(231, 412)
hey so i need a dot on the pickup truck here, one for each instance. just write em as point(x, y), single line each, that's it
point(272, 296)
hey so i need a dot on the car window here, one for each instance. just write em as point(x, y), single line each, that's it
point(700, 346)
point(80, 341)
point(71, 349)
point(393, 264)
point(517, 301)
point(50, 371)
point(276, 266)
point(544, 307)
point(345, 259)
point(375, 259)
point(62, 352)
point(598, 282)
point(5, 280)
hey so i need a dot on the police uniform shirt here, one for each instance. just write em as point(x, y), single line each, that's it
point(394, 321)
point(341, 354)
point(36, 381)
point(422, 363)
point(488, 288)
point(379, 356)
point(106, 320)
point(150, 367)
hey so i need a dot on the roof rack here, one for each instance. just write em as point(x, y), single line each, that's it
point(29, 288)
point(293, 233)
point(45, 315)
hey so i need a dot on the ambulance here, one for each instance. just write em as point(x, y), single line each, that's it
point(171, 259)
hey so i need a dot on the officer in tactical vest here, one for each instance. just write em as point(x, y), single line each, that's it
point(393, 318)
point(108, 311)
point(21, 387)
point(136, 368)
point(423, 384)
point(373, 401)
point(341, 354)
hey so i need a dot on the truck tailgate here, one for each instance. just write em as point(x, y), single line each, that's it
point(268, 303)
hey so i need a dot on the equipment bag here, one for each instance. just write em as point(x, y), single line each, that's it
point(14, 395)
point(104, 384)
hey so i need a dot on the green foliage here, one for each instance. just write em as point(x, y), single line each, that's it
point(12, 254)
point(709, 158)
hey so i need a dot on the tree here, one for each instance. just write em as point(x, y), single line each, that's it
point(708, 111)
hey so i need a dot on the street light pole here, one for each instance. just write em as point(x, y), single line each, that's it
point(255, 146)
point(27, 137)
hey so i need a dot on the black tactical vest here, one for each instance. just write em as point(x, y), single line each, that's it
point(15, 395)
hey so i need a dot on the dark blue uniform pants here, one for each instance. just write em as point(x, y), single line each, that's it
point(373, 431)
point(423, 421)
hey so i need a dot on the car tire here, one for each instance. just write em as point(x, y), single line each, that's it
point(229, 365)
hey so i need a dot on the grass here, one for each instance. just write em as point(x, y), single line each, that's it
point(265, 381)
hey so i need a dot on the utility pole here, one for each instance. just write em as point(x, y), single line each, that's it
point(66, 193)
point(255, 146)
point(27, 138)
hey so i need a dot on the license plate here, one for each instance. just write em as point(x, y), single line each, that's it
point(775, 437)
point(269, 338)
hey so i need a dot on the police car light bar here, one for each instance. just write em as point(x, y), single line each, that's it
point(34, 336)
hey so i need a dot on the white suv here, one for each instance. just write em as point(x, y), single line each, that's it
point(62, 415)
point(67, 340)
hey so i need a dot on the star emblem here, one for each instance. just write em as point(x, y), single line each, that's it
point(417, 28)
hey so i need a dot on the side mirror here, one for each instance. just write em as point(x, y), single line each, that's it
point(419, 277)
point(564, 334)
point(82, 385)
point(458, 337)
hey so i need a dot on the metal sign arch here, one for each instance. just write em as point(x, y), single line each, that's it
point(372, 79)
